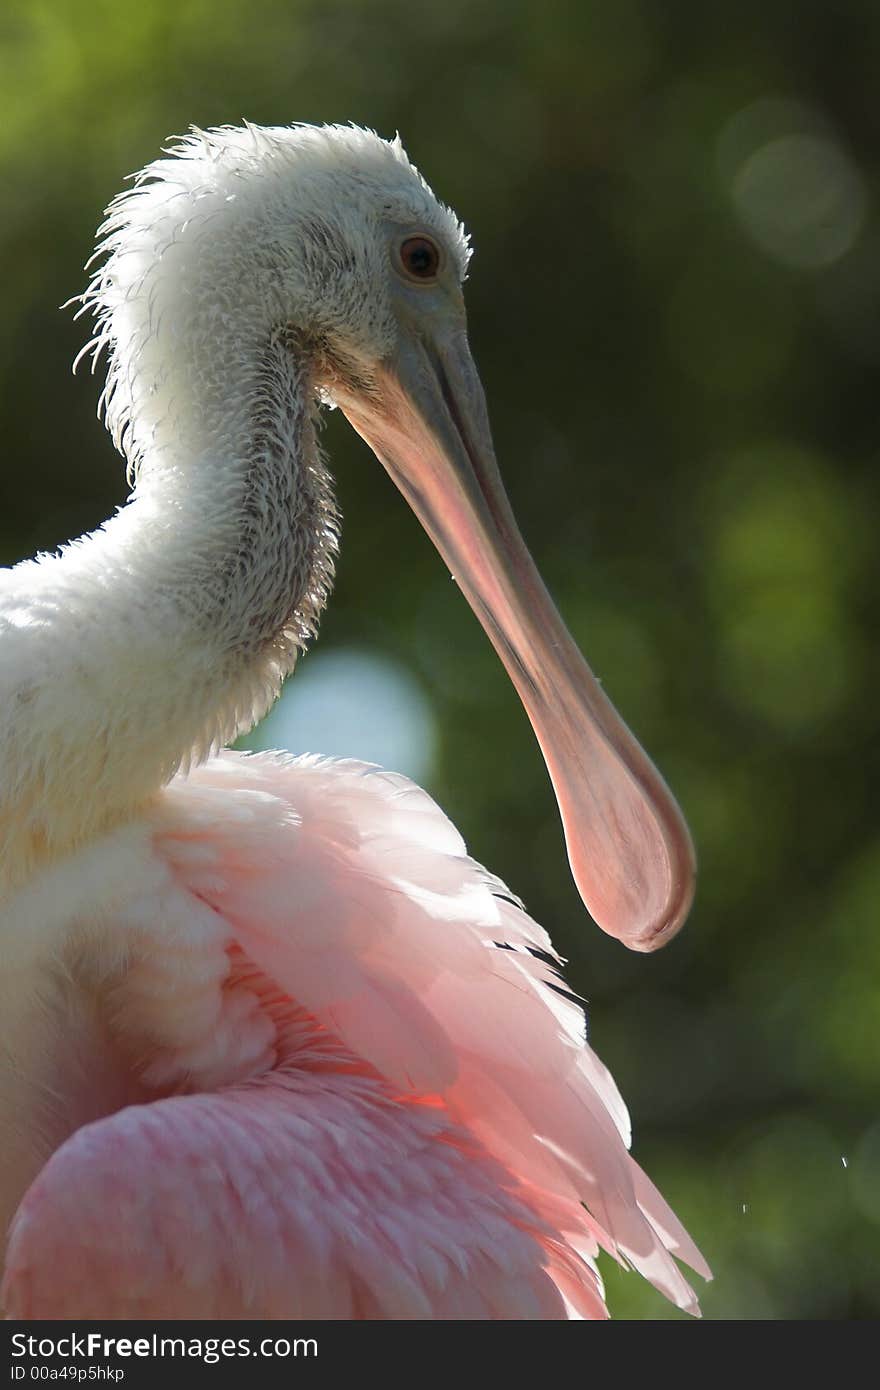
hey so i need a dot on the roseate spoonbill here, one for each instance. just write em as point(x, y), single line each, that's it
point(261, 1053)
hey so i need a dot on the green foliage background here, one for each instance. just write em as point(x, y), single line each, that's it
point(688, 425)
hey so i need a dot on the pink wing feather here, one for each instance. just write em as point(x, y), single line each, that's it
point(311, 1192)
point(455, 1150)
point(375, 919)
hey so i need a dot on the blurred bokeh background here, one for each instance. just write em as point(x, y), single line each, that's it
point(675, 304)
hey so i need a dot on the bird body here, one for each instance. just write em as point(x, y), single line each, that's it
point(271, 1044)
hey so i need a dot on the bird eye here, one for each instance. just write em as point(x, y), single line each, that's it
point(420, 258)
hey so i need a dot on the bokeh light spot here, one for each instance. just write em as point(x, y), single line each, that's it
point(801, 199)
point(351, 703)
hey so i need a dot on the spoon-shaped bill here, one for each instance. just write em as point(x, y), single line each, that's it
point(628, 845)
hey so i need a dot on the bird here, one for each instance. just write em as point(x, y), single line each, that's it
point(272, 1045)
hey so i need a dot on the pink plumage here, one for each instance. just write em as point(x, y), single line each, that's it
point(429, 1134)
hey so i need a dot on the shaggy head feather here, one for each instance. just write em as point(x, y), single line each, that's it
point(231, 235)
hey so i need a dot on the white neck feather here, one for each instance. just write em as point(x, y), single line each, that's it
point(146, 645)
